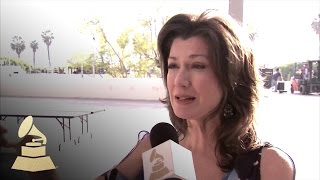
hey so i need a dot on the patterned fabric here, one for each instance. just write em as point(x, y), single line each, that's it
point(231, 175)
point(247, 165)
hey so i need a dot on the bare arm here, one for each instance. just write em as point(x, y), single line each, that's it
point(132, 165)
point(276, 165)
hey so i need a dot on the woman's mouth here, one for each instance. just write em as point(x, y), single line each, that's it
point(184, 99)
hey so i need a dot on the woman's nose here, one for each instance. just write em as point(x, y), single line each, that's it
point(182, 78)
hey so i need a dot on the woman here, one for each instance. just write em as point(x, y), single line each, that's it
point(212, 90)
point(212, 85)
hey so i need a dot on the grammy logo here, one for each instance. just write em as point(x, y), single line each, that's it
point(158, 168)
point(33, 155)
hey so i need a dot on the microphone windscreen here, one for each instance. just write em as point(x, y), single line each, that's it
point(163, 132)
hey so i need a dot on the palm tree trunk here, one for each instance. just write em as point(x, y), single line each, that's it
point(34, 60)
point(319, 44)
point(49, 56)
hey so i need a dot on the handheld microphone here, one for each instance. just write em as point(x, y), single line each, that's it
point(167, 159)
point(162, 132)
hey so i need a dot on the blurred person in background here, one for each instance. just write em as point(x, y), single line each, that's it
point(277, 76)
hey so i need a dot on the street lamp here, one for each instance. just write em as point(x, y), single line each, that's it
point(236, 10)
point(316, 27)
point(94, 56)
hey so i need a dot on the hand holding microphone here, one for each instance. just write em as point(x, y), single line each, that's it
point(131, 166)
point(158, 155)
point(167, 159)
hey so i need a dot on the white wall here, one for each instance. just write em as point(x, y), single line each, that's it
point(76, 86)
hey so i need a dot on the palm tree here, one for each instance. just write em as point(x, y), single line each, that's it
point(47, 37)
point(17, 45)
point(34, 46)
point(253, 36)
point(316, 27)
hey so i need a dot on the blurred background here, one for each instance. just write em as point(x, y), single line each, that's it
point(79, 56)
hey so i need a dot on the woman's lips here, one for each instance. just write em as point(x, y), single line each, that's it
point(184, 100)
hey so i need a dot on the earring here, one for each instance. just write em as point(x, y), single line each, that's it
point(228, 111)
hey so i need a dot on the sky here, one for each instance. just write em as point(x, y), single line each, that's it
point(284, 27)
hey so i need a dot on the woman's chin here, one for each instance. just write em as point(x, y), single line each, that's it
point(183, 114)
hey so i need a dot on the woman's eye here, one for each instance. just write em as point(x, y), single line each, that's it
point(172, 66)
point(198, 66)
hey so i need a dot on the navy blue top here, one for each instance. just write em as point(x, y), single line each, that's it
point(276, 76)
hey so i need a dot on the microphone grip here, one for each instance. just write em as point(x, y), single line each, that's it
point(113, 174)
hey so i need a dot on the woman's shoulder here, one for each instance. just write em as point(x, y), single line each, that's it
point(275, 155)
point(276, 164)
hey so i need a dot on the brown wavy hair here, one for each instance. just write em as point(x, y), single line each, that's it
point(233, 63)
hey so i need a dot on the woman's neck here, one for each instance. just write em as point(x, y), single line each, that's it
point(199, 138)
point(201, 142)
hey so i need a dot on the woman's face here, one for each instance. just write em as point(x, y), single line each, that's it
point(192, 85)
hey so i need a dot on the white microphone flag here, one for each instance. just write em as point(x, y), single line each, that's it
point(168, 160)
